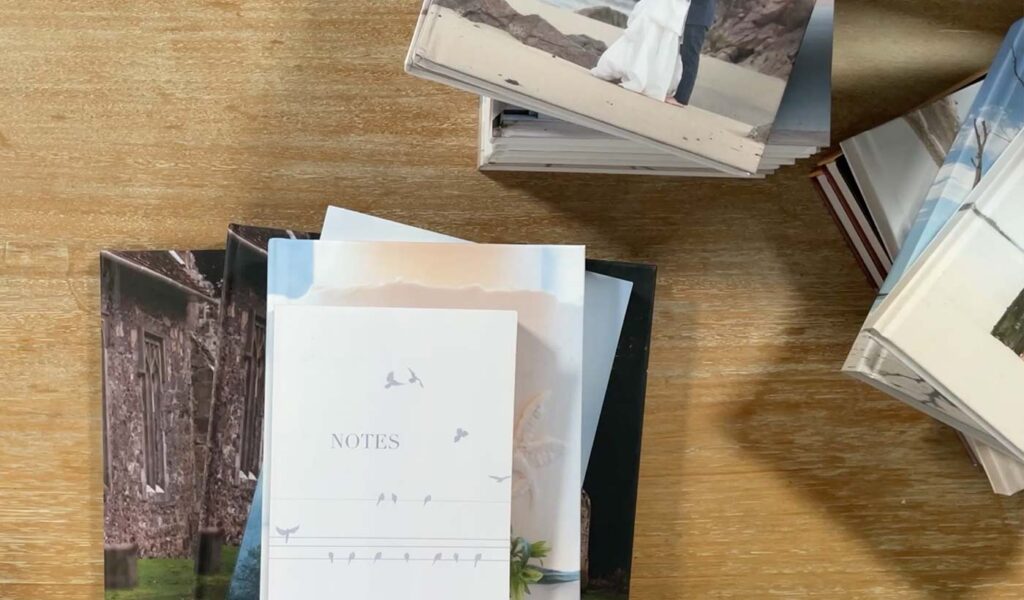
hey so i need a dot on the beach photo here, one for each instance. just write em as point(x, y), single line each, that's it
point(700, 76)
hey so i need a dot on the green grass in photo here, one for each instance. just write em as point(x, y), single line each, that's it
point(174, 579)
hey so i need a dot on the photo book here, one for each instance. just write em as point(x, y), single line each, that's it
point(945, 333)
point(875, 184)
point(516, 139)
point(688, 86)
point(182, 336)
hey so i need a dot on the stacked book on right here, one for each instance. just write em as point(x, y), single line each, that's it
point(946, 333)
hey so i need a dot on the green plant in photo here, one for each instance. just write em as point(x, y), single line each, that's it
point(521, 573)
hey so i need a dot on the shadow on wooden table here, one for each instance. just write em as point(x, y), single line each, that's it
point(890, 477)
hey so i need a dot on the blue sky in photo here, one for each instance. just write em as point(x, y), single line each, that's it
point(999, 104)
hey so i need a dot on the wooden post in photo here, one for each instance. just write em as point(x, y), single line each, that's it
point(211, 540)
point(120, 566)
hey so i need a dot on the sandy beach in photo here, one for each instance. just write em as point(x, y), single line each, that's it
point(743, 100)
point(729, 90)
point(494, 58)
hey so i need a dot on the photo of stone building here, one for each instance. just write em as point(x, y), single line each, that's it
point(158, 314)
point(236, 428)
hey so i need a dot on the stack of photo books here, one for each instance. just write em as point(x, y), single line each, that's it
point(946, 332)
point(375, 407)
point(732, 88)
point(875, 184)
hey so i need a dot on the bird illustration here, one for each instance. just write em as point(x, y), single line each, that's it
point(437, 557)
point(476, 559)
point(391, 382)
point(427, 499)
point(456, 556)
point(413, 378)
point(460, 433)
point(394, 498)
point(351, 557)
point(380, 498)
point(287, 533)
point(499, 479)
point(377, 556)
point(330, 557)
point(406, 557)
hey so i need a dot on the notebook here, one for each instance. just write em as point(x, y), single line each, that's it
point(391, 453)
point(544, 285)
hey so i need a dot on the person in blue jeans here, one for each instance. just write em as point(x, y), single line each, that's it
point(698, 19)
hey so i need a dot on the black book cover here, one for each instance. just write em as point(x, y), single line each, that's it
point(614, 468)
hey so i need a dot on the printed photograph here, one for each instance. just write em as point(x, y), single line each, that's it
point(1010, 328)
point(159, 347)
point(720, 66)
point(235, 433)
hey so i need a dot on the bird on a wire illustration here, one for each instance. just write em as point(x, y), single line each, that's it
point(287, 533)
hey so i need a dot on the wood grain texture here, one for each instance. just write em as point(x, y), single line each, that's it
point(765, 473)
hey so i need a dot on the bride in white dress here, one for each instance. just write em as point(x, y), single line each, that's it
point(645, 58)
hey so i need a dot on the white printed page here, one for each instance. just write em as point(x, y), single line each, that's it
point(391, 453)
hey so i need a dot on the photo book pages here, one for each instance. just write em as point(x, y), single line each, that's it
point(544, 286)
point(517, 139)
point(700, 79)
point(875, 185)
point(995, 118)
point(391, 462)
point(158, 315)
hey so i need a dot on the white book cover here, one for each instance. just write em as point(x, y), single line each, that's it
point(544, 285)
point(956, 319)
point(896, 163)
point(392, 453)
point(604, 307)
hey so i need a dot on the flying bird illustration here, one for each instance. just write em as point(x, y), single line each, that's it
point(287, 533)
point(391, 382)
point(377, 556)
point(460, 433)
point(330, 557)
point(413, 378)
point(499, 479)
point(394, 498)
point(427, 499)
point(437, 557)
point(406, 557)
point(351, 557)
point(456, 556)
point(476, 559)
point(380, 498)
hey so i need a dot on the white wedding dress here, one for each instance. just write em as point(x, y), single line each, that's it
point(645, 58)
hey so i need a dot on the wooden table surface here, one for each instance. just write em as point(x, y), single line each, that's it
point(765, 473)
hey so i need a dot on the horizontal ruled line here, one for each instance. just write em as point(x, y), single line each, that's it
point(506, 547)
